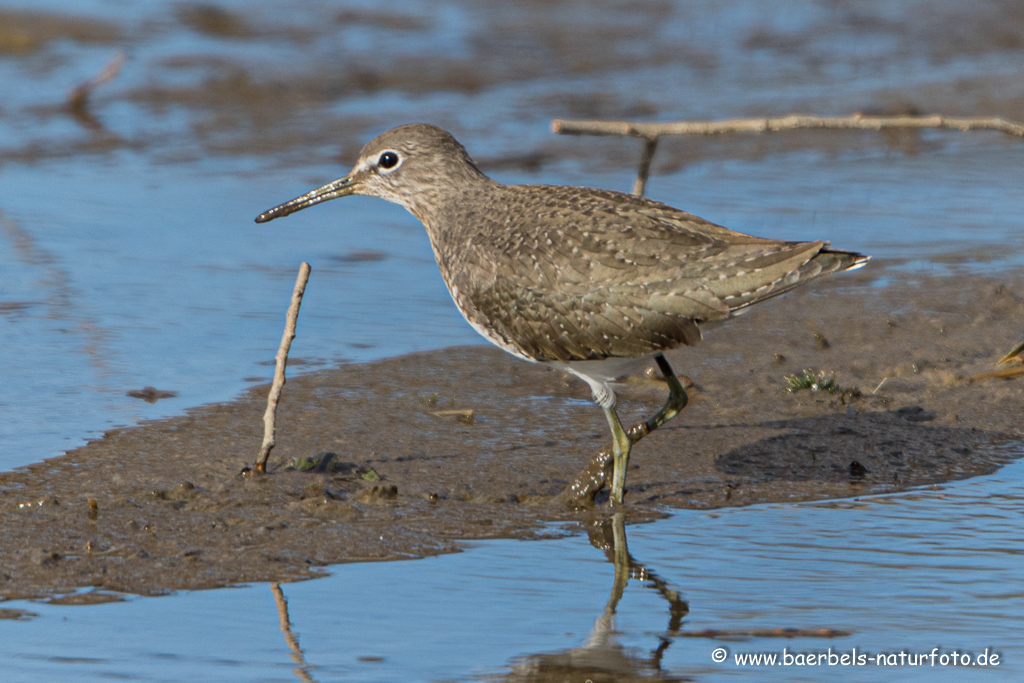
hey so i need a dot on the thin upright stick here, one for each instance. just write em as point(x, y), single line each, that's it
point(650, 144)
point(270, 416)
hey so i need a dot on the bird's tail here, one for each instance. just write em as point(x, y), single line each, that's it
point(826, 261)
point(832, 261)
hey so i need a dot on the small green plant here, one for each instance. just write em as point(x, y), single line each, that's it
point(813, 381)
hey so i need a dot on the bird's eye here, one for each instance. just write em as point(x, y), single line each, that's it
point(388, 161)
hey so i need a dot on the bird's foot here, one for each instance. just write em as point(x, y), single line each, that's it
point(582, 492)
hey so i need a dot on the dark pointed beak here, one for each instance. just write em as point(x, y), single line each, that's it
point(341, 187)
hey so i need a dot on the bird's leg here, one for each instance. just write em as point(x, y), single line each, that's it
point(677, 400)
point(621, 445)
point(595, 477)
point(622, 440)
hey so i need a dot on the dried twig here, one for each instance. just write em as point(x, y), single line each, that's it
point(650, 144)
point(1006, 373)
point(650, 132)
point(790, 122)
point(729, 634)
point(281, 361)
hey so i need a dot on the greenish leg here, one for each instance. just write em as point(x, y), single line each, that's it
point(621, 445)
point(677, 400)
point(622, 441)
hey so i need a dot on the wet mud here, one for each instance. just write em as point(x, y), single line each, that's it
point(466, 443)
point(293, 110)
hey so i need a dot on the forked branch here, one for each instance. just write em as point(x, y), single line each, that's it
point(650, 132)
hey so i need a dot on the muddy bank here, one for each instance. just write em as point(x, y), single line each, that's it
point(469, 443)
point(266, 81)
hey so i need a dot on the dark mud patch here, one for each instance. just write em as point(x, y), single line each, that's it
point(468, 443)
point(17, 614)
point(26, 32)
point(876, 450)
point(93, 597)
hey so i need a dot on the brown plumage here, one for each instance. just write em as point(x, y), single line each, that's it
point(572, 275)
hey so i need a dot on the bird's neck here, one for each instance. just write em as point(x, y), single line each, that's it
point(451, 210)
point(456, 221)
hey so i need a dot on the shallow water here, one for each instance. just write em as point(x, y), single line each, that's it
point(128, 258)
point(937, 568)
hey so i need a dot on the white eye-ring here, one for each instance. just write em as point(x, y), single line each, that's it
point(388, 161)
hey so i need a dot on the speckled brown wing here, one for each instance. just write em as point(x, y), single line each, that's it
point(634, 279)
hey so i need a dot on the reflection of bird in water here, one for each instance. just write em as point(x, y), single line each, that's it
point(590, 281)
point(602, 659)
